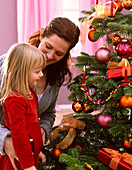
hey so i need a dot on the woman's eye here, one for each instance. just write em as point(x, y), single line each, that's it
point(59, 54)
point(47, 46)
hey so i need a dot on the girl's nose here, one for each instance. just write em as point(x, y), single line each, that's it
point(41, 74)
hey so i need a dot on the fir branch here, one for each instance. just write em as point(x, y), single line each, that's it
point(72, 163)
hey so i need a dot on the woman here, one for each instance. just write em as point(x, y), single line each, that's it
point(55, 41)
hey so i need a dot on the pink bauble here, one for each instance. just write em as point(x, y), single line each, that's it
point(102, 120)
point(102, 55)
point(124, 48)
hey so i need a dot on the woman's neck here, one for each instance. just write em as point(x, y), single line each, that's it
point(41, 85)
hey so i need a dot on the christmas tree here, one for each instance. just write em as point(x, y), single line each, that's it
point(87, 139)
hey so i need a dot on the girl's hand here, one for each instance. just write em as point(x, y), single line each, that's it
point(43, 157)
point(31, 168)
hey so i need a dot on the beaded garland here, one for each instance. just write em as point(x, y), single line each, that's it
point(111, 94)
point(83, 85)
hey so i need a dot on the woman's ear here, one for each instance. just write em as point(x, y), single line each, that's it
point(41, 33)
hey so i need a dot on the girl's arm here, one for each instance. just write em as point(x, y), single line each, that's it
point(16, 109)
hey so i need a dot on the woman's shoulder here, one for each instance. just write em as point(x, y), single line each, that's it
point(54, 87)
point(2, 57)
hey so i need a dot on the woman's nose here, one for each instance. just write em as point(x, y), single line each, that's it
point(50, 55)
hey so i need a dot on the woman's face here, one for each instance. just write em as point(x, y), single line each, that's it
point(54, 48)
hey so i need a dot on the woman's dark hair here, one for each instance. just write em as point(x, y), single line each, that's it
point(59, 72)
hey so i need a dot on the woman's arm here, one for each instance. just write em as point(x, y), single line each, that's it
point(47, 119)
point(4, 132)
point(47, 110)
point(31, 168)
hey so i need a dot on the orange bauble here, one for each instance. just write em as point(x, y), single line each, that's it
point(127, 143)
point(119, 4)
point(116, 39)
point(91, 34)
point(127, 4)
point(126, 101)
point(56, 152)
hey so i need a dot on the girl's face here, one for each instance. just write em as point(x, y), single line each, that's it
point(34, 76)
point(54, 48)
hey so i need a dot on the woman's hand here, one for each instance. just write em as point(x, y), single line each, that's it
point(43, 157)
point(43, 135)
point(9, 149)
point(31, 168)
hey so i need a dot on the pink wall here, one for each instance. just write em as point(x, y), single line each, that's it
point(8, 24)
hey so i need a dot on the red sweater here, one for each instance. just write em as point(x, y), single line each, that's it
point(21, 117)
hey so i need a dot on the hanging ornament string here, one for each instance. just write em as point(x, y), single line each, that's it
point(83, 85)
point(84, 75)
point(96, 2)
point(111, 9)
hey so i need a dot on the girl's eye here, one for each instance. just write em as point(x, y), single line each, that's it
point(37, 71)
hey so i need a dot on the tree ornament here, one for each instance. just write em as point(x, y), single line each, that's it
point(119, 4)
point(126, 40)
point(102, 54)
point(127, 4)
point(124, 48)
point(127, 143)
point(116, 39)
point(89, 166)
point(126, 101)
point(116, 105)
point(91, 34)
point(87, 108)
point(56, 152)
point(78, 106)
point(72, 90)
point(102, 120)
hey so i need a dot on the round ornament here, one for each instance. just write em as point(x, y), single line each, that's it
point(119, 5)
point(78, 106)
point(116, 39)
point(56, 152)
point(127, 143)
point(102, 120)
point(102, 54)
point(127, 4)
point(72, 90)
point(126, 40)
point(124, 48)
point(91, 34)
point(87, 108)
point(126, 101)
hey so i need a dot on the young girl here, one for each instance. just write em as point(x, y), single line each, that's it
point(22, 69)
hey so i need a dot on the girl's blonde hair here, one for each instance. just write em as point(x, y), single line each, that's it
point(20, 59)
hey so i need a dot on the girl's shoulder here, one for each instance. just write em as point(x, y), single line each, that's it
point(14, 96)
